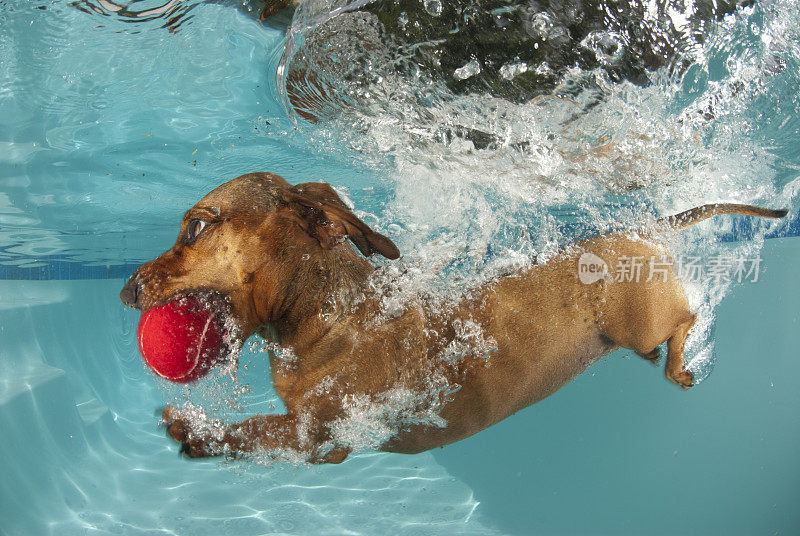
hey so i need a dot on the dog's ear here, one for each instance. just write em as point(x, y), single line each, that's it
point(324, 216)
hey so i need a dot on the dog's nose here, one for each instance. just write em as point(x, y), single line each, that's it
point(129, 293)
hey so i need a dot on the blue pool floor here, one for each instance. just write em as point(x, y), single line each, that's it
point(618, 451)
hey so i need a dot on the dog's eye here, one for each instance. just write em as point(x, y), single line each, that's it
point(193, 230)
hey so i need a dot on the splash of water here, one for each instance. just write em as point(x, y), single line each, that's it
point(482, 185)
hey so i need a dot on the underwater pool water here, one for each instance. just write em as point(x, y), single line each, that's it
point(110, 129)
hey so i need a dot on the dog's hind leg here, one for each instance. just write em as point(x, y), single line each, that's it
point(652, 356)
point(675, 369)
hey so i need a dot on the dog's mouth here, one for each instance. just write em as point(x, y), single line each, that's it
point(133, 295)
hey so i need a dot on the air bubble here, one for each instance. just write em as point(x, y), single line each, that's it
point(510, 70)
point(470, 69)
point(608, 47)
point(433, 7)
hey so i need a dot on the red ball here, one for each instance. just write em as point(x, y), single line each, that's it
point(180, 340)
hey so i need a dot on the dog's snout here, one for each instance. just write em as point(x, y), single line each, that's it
point(130, 293)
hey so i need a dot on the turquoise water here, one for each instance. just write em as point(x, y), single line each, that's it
point(110, 129)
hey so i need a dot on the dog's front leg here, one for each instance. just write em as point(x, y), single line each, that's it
point(275, 435)
point(199, 440)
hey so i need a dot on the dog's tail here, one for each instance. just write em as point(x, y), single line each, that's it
point(696, 215)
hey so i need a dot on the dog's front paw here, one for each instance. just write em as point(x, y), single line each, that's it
point(683, 378)
point(194, 444)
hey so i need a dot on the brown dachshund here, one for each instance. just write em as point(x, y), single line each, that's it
point(277, 255)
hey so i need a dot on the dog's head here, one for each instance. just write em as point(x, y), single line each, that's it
point(245, 244)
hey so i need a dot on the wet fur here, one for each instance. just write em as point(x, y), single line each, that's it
point(278, 254)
